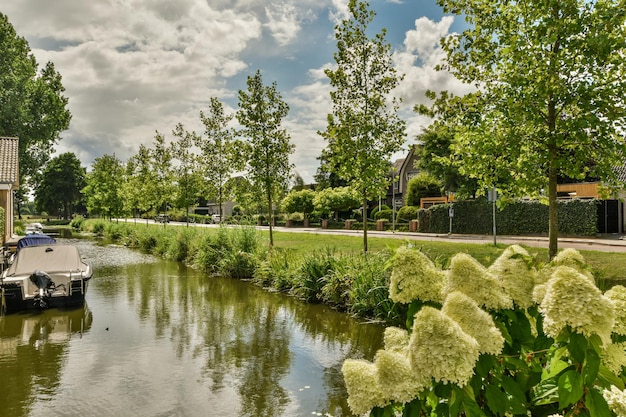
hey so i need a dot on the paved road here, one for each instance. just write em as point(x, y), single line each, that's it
point(603, 243)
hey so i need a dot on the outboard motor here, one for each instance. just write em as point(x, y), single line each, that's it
point(46, 288)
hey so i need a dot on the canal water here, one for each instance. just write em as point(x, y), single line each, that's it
point(159, 339)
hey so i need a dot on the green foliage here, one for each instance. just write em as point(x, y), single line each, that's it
point(59, 191)
point(407, 213)
point(364, 130)
point(220, 151)
point(32, 105)
point(261, 111)
point(77, 222)
point(421, 186)
point(299, 201)
point(384, 214)
point(333, 200)
point(103, 190)
point(309, 278)
point(521, 217)
point(552, 354)
point(381, 207)
point(544, 109)
point(186, 175)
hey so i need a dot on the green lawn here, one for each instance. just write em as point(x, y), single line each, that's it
point(606, 265)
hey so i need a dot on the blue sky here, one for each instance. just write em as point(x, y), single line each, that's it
point(134, 67)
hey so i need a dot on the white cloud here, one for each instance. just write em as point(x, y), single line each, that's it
point(418, 59)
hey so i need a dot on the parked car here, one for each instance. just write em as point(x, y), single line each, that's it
point(162, 218)
point(216, 218)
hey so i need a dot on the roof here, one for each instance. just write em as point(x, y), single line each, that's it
point(9, 161)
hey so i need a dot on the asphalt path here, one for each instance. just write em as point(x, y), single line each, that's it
point(602, 243)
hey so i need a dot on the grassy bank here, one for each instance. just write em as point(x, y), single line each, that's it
point(322, 268)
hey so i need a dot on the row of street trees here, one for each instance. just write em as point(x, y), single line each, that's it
point(549, 104)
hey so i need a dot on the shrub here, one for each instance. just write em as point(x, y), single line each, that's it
point(378, 208)
point(310, 276)
point(77, 222)
point(407, 213)
point(384, 214)
point(484, 346)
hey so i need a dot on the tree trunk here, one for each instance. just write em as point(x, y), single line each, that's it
point(270, 217)
point(553, 217)
point(364, 225)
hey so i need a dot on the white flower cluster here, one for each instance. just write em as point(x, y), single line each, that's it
point(468, 276)
point(414, 277)
point(616, 399)
point(513, 271)
point(617, 295)
point(444, 345)
point(572, 299)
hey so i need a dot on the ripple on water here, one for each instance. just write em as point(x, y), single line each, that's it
point(108, 255)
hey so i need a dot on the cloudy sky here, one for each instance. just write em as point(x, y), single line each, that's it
point(134, 67)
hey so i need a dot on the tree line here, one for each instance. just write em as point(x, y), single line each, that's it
point(548, 103)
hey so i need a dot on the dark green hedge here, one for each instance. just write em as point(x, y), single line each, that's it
point(576, 217)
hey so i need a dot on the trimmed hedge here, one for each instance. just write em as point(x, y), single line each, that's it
point(576, 217)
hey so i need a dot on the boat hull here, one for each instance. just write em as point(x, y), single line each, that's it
point(12, 299)
point(44, 276)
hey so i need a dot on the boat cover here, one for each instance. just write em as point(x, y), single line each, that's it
point(35, 239)
point(49, 258)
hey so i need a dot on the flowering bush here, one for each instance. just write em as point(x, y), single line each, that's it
point(511, 339)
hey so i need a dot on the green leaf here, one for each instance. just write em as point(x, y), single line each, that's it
point(609, 378)
point(485, 364)
point(546, 392)
point(577, 347)
point(570, 388)
point(591, 367)
point(516, 400)
point(596, 404)
point(412, 409)
point(555, 368)
point(496, 399)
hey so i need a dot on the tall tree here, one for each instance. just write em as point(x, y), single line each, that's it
point(62, 180)
point(221, 156)
point(551, 77)
point(162, 187)
point(261, 111)
point(436, 144)
point(103, 192)
point(187, 176)
point(139, 183)
point(32, 105)
point(364, 129)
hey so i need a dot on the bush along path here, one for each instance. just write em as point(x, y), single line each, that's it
point(503, 340)
point(513, 338)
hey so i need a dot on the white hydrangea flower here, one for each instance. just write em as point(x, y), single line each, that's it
point(512, 270)
point(440, 349)
point(414, 276)
point(616, 399)
point(614, 357)
point(474, 321)
point(617, 295)
point(567, 257)
point(471, 278)
point(398, 379)
point(571, 299)
point(364, 390)
point(395, 339)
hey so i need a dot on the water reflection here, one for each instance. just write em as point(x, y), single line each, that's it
point(33, 350)
point(168, 340)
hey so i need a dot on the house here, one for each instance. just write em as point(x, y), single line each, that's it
point(9, 181)
point(403, 170)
